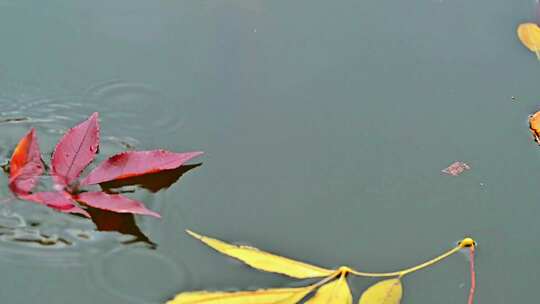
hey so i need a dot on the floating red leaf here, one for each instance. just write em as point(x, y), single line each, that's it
point(60, 201)
point(114, 202)
point(75, 150)
point(136, 163)
point(25, 166)
point(73, 153)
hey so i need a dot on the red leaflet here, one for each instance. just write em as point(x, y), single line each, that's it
point(114, 202)
point(135, 163)
point(60, 201)
point(25, 166)
point(76, 149)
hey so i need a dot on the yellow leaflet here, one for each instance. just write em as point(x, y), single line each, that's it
point(261, 296)
point(335, 292)
point(383, 292)
point(264, 260)
point(529, 34)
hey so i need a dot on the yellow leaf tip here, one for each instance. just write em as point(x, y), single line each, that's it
point(193, 234)
point(467, 242)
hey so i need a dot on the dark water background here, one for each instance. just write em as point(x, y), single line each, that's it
point(325, 126)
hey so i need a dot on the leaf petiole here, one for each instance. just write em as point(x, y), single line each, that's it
point(334, 275)
point(467, 242)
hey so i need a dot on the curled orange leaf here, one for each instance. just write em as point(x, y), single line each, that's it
point(534, 126)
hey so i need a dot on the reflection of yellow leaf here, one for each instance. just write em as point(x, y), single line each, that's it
point(335, 292)
point(261, 296)
point(264, 260)
point(383, 292)
point(529, 34)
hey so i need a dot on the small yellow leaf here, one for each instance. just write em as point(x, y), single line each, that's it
point(335, 292)
point(529, 34)
point(265, 261)
point(261, 296)
point(383, 292)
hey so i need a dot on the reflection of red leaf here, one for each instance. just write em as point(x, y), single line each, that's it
point(152, 182)
point(114, 202)
point(75, 150)
point(119, 222)
point(25, 165)
point(456, 168)
point(135, 163)
point(60, 201)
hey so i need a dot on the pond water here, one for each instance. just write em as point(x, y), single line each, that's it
point(326, 125)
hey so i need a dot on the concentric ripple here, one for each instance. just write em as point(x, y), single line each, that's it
point(137, 109)
point(33, 234)
point(151, 275)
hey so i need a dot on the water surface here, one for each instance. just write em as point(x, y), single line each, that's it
point(325, 126)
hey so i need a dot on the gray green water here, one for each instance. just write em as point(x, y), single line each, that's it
point(325, 126)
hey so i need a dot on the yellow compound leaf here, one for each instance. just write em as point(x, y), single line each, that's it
point(261, 296)
point(383, 292)
point(265, 261)
point(529, 34)
point(335, 292)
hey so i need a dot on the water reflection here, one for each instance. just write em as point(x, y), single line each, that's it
point(34, 234)
point(537, 11)
point(123, 223)
point(106, 221)
point(153, 182)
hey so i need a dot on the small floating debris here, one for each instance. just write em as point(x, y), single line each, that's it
point(13, 119)
point(456, 168)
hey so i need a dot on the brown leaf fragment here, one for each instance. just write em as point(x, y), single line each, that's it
point(456, 168)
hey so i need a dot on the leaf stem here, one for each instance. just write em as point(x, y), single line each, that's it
point(473, 276)
point(328, 278)
point(467, 242)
